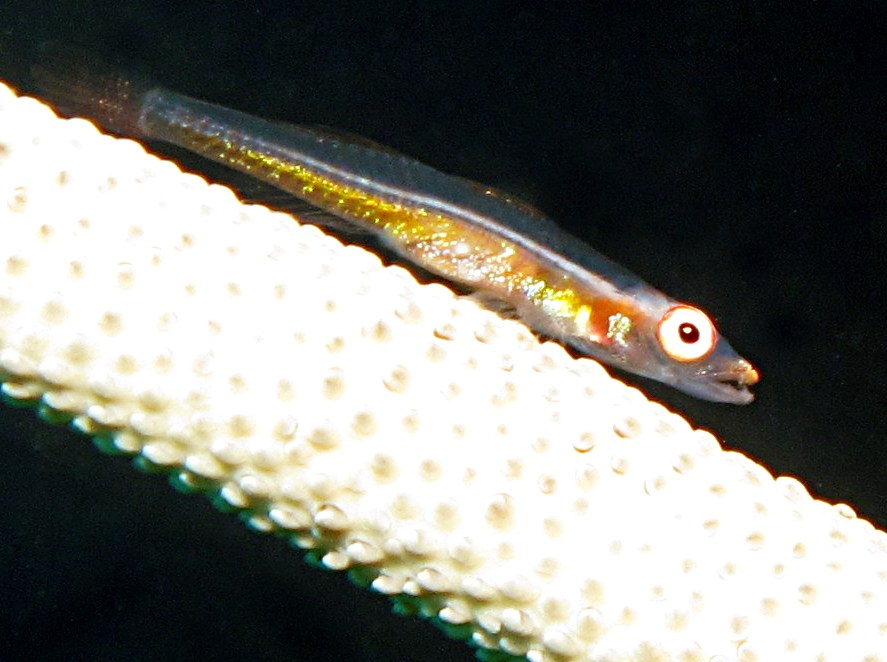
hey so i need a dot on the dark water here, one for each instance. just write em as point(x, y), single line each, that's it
point(733, 157)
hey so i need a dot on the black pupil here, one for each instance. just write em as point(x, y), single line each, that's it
point(688, 333)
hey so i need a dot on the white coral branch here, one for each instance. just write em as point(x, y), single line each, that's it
point(502, 486)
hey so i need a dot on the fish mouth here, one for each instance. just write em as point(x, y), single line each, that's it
point(732, 385)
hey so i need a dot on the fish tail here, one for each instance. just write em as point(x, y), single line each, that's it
point(80, 84)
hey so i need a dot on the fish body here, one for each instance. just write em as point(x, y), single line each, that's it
point(463, 231)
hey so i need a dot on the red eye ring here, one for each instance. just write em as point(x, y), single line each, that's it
point(686, 334)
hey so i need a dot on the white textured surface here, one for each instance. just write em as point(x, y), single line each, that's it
point(553, 510)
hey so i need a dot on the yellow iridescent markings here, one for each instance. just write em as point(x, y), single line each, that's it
point(582, 316)
point(441, 244)
point(618, 328)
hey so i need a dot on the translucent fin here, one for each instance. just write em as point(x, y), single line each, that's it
point(494, 303)
point(79, 84)
point(348, 138)
point(343, 228)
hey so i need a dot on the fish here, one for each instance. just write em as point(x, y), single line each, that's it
point(504, 250)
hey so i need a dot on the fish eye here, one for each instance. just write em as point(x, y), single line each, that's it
point(686, 334)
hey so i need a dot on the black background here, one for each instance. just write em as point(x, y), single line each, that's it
point(730, 153)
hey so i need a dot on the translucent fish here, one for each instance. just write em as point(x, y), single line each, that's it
point(471, 234)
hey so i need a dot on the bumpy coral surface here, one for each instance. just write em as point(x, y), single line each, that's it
point(524, 498)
